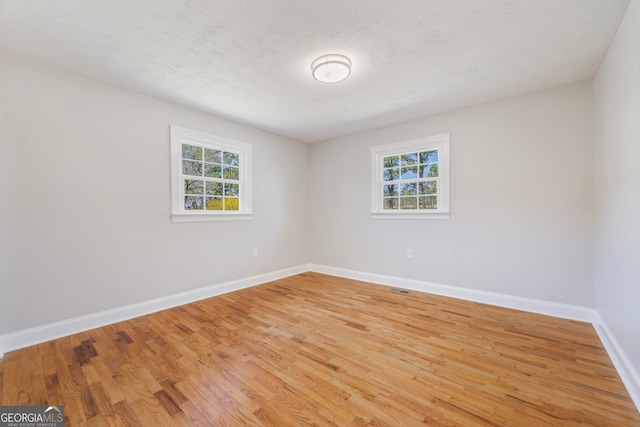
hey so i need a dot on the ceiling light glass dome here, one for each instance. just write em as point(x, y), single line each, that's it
point(331, 68)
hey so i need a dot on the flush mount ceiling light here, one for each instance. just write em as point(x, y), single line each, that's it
point(331, 68)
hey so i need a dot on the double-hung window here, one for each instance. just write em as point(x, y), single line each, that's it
point(410, 179)
point(210, 177)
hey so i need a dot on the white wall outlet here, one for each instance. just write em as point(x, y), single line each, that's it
point(255, 251)
point(409, 253)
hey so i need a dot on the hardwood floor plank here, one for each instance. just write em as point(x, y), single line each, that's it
point(317, 350)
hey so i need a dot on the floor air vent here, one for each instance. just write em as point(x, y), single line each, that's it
point(400, 291)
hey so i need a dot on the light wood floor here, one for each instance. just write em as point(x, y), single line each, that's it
point(319, 350)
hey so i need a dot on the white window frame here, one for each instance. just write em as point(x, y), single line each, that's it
point(378, 153)
point(178, 212)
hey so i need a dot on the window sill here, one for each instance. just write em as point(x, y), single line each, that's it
point(209, 217)
point(410, 215)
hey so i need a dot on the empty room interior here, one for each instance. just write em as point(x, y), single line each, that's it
point(282, 212)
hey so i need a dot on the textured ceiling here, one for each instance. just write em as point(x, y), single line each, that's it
point(249, 60)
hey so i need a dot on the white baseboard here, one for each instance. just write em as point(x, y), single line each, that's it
point(39, 334)
point(565, 311)
point(627, 372)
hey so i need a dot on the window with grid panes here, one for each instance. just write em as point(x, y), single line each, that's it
point(210, 177)
point(410, 179)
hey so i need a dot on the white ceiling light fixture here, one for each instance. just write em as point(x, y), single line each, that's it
point(332, 68)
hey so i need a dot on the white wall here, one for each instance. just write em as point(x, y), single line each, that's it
point(7, 259)
point(617, 161)
point(85, 200)
point(521, 201)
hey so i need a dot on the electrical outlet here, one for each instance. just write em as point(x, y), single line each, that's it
point(409, 253)
point(255, 251)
